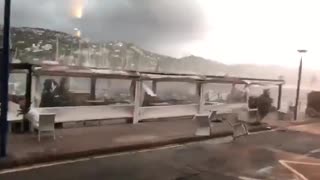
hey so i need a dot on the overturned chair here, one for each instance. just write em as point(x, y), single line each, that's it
point(239, 127)
point(204, 121)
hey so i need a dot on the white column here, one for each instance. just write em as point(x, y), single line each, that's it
point(154, 86)
point(36, 91)
point(137, 101)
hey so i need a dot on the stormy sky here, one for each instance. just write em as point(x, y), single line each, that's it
point(153, 24)
point(230, 31)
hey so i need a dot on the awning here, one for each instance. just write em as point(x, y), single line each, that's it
point(168, 77)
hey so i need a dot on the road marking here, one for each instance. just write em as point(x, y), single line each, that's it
point(38, 166)
point(44, 165)
point(284, 163)
point(6, 171)
point(247, 178)
point(304, 163)
point(139, 151)
point(313, 151)
point(265, 170)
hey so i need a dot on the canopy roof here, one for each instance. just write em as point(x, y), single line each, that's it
point(77, 71)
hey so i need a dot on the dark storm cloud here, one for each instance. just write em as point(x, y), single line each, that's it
point(145, 22)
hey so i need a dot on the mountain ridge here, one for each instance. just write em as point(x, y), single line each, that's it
point(38, 45)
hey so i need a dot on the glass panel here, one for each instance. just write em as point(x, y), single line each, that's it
point(173, 93)
point(17, 90)
point(64, 91)
point(17, 84)
point(216, 93)
point(113, 91)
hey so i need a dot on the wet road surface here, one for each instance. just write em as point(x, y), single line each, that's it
point(256, 156)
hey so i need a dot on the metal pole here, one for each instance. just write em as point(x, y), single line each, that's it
point(80, 53)
point(298, 91)
point(279, 96)
point(4, 77)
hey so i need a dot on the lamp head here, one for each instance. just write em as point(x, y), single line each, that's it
point(302, 51)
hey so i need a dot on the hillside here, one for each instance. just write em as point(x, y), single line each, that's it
point(36, 45)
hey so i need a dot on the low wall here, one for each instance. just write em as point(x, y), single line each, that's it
point(154, 112)
point(86, 113)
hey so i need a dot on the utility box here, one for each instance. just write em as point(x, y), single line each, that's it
point(313, 104)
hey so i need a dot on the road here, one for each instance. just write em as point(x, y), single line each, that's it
point(271, 155)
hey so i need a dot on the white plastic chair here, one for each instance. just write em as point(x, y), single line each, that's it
point(239, 127)
point(203, 125)
point(46, 124)
point(213, 116)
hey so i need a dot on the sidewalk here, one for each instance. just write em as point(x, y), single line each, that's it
point(24, 149)
point(272, 120)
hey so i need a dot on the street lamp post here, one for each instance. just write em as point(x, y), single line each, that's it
point(301, 51)
point(4, 77)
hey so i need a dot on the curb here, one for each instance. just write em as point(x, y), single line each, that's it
point(10, 162)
